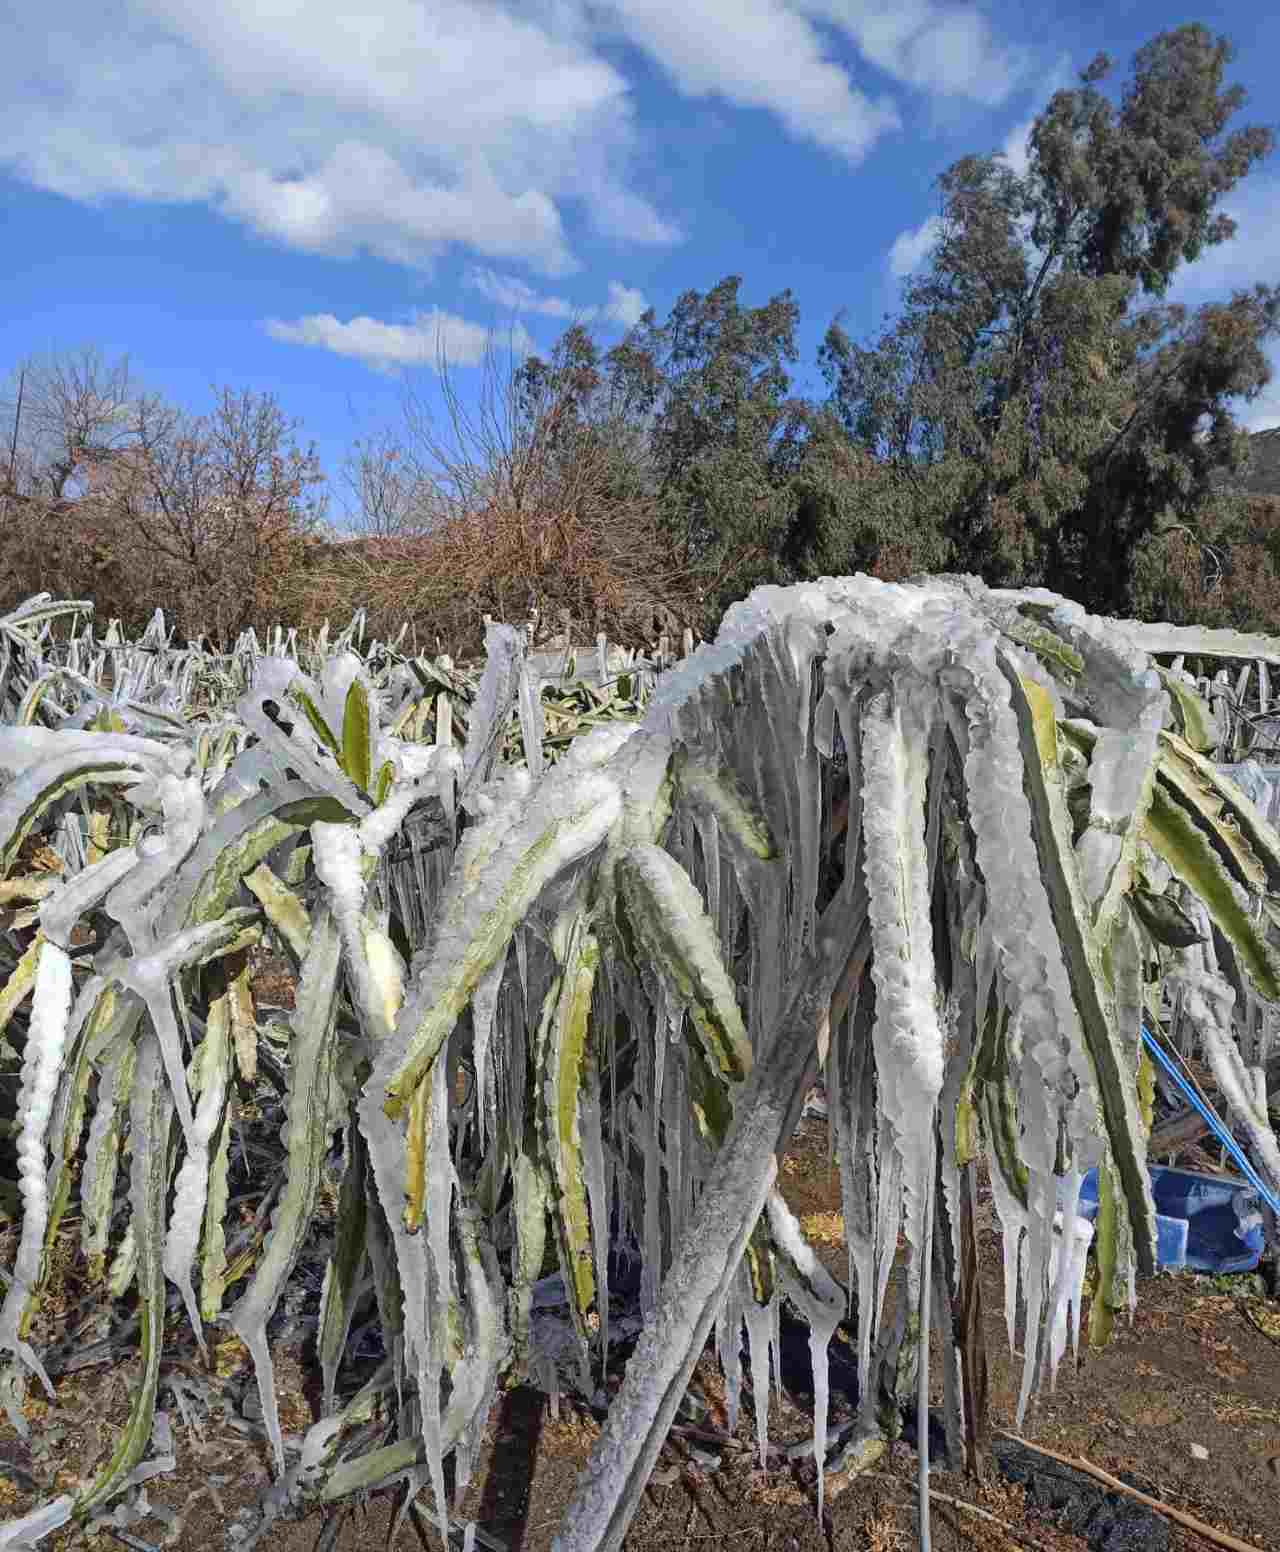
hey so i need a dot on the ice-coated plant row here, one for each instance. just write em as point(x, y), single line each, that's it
point(942, 845)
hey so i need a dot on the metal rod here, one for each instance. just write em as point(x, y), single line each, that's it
point(922, 1363)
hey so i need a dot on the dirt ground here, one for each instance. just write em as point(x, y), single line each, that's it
point(1186, 1402)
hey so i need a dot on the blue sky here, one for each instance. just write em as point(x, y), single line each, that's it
point(307, 196)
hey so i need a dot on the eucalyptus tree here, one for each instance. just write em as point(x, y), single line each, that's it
point(1042, 417)
point(700, 410)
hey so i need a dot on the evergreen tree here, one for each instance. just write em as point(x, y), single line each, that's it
point(1038, 413)
point(705, 395)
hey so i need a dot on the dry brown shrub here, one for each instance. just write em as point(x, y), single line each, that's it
point(895, 562)
point(585, 572)
point(1227, 576)
point(539, 505)
point(90, 549)
point(119, 498)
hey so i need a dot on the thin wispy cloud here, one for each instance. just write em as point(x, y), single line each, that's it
point(759, 54)
point(1015, 150)
point(911, 248)
point(391, 347)
point(625, 305)
point(948, 49)
point(511, 292)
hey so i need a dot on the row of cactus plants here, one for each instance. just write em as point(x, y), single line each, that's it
point(943, 843)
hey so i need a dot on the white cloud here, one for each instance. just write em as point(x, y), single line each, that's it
point(397, 128)
point(935, 48)
point(405, 129)
point(758, 54)
point(619, 214)
point(1015, 150)
point(514, 294)
point(625, 305)
point(343, 205)
point(912, 247)
point(389, 347)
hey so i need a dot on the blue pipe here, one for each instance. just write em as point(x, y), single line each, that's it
point(1215, 1122)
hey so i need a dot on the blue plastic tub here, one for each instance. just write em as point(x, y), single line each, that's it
point(1206, 1223)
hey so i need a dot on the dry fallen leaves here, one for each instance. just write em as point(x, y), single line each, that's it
point(823, 1228)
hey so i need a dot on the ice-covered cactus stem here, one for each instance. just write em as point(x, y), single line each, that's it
point(896, 731)
point(41, 1067)
point(283, 711)
point(1208, 1001)
point(929, 650)
point(502, 867)
point(343, 863)
point(532, 835)
point(173, 811)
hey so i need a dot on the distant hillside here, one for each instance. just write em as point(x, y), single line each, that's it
point(1262, 476)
